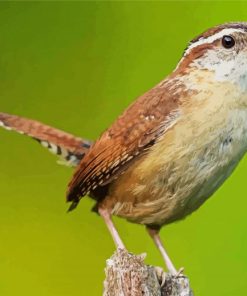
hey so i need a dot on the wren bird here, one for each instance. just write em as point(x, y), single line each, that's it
point(172, 148)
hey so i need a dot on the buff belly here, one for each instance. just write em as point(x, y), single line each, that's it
point(172, 181)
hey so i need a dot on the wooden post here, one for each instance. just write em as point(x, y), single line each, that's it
point(127, 275)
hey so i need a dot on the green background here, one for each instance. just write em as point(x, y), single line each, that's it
point(76, 66)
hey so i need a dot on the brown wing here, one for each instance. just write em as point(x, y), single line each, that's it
point(131, 135)
point(70, 148)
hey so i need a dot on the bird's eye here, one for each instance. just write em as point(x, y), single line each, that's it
point(228, 41)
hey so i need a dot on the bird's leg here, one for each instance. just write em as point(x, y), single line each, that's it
point(154, 233)
point(111, 227)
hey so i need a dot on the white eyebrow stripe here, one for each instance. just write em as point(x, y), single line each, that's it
point(212, 38)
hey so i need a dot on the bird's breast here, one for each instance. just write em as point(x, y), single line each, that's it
point(188, 163)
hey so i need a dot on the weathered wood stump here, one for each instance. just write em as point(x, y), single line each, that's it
point(127, 275)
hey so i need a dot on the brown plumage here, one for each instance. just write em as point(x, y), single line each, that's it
point(173, 147)
point(69, 148)
point(176, 144)
point(139, 127)
point(126, 140)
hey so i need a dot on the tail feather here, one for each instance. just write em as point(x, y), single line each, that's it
point(69, 148)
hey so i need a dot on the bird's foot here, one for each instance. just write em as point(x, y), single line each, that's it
point(179, 272)
point(161, 275)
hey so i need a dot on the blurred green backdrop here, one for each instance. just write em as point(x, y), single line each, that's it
point(76, 66)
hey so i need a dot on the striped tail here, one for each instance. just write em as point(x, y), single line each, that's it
point(69, 148)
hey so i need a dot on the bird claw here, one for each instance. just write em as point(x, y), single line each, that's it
point(161, 275)
point(179, 272)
